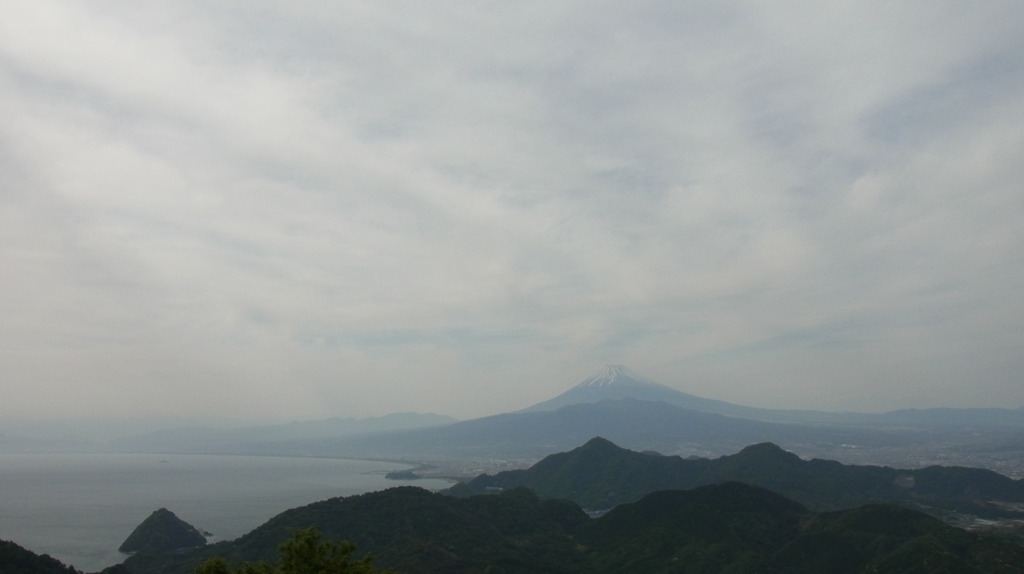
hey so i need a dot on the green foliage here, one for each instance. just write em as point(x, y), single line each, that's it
point(417, 531)
point(601, 475)
point(729, 528)
point(304, 553)
point(16, 560)
point(719, 528)
point(162, 531)
point(886, 538)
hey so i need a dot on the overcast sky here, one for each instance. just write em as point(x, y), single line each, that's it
point(297, 209)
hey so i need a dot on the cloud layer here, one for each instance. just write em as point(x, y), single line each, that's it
point(302, 209)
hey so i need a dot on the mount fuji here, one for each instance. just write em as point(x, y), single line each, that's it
point(641, 414)
point(617, 382)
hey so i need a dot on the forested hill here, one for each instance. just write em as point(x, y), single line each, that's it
point(728, 527)
point(760, 510)
point(600, 475)
point(16, 560)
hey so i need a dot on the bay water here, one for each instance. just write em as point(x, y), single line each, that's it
point(79, 508)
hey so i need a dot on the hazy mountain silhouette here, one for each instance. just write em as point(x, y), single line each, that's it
point(636, 424)
point(616, 403)
point(600, 474)
point(619, 382)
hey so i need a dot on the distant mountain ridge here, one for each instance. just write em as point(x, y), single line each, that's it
point(633, 411)
point(639, 424)
point(619, 382)
point(616, 382)
point(628, 408)
point(600, 474)
point(523, 438)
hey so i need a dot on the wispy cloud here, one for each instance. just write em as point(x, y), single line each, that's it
point(302, 209)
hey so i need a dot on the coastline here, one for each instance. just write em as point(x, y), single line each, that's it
point(79, 507)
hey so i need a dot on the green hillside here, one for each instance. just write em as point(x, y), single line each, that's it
point(601, 475)
point(162, 531)
point(16, 560)
point(729, 527)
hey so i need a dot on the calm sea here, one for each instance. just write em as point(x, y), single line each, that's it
point(79, 508)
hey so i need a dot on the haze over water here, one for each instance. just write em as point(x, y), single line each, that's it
point(79, 508)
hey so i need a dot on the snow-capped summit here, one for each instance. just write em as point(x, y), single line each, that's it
point(615, 375)
point(618, 382)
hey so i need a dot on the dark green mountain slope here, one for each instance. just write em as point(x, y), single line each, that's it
point(597, 475)
point(733, 527)
point(162, 531)
point(16, 560)
point(416, 531)
point(711, 529)
point(729, 527)
point(886, 538)
point(600, 475)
